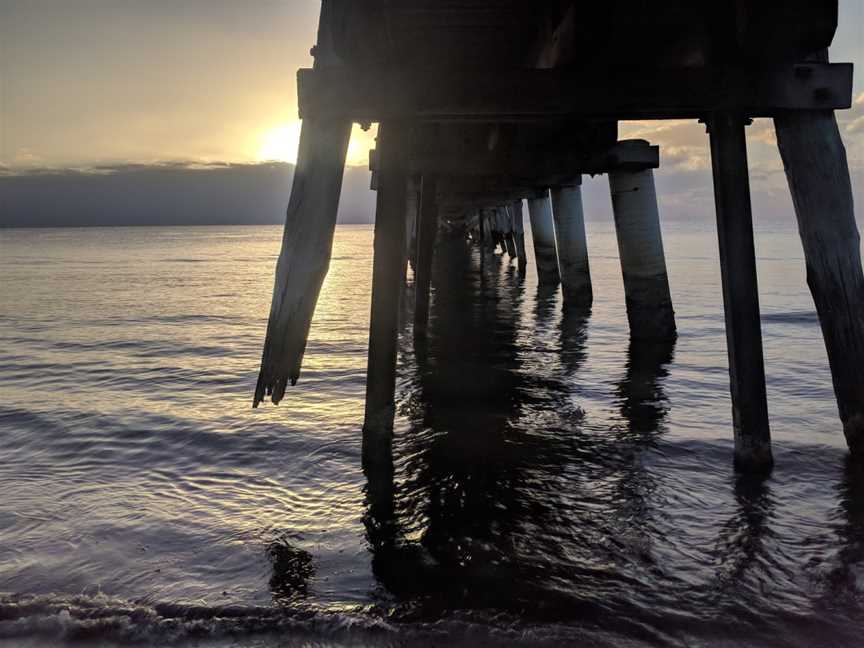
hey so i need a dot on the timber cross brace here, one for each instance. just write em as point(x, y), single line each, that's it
point(482, 104)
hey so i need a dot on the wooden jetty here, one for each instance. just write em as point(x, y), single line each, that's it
point(482, 104)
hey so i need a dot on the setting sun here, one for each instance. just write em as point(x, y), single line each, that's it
point(280, 144)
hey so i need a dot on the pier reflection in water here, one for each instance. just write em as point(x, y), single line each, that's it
point(500, 494)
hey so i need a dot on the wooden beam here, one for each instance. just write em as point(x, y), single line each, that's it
point(428, 228)
point(535, 166)
point(818, 173)
point(468, 94)
point(740, 292)
point(387, 275)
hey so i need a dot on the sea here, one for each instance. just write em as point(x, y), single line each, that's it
point(551, 482)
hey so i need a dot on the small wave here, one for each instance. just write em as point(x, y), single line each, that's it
point(792, 317)
point(63, 620)
point(103, 618)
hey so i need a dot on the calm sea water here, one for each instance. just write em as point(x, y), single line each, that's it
point(552, 484)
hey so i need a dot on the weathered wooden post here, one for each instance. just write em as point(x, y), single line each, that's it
point(505, 224)
point(387, 269)
point(497, 233)
point(640, 246)
point(818, 174)
point(740, 291)
point(515, 210)
point(428, 228)
point(307, 240)
point(572, 244)
point(510, 243)
point(488, 238)
point(472, 223)
point(412, 199)
point(543, 235)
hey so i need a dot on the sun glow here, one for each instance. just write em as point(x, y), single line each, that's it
point(280, 144)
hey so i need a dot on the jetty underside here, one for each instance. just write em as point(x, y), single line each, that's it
point(484, 104)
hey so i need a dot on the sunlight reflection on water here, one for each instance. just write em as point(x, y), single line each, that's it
point(550, 478)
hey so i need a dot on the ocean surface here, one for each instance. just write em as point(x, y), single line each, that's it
point(552, 483)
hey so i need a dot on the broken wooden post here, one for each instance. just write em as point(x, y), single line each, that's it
point(310, 222)
point(515, 209)
point(543, 235)
point(389, 246)
point(818, 174)
point(640, 247)
point(572, 244)
point(307, 239)
point(428, 228)
point(740, 291)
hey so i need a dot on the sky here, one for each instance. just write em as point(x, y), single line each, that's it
point(113, 83)
point(88, 82)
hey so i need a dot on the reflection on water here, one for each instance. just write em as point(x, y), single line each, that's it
point(643, 401)
point(292, 569)
point(846, 579)
point(492, 504)
point(548, 481)
point(483, 511)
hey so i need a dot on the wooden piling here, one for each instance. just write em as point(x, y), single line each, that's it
point(412, 200)
point(515, 210)
point(543, 235)
point(510, 243)
point(387, 268)
point(643, 261)
point(307, 240)
point(740, 291)
point(572, 244)
point(428, 228)
point(818, 175)
point(310, 222)
point(488, 238)
point(506, 221)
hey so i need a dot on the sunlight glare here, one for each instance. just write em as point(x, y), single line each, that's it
point(280, 144)
point(360, 144)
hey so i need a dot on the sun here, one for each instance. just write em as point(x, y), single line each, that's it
point(280, 144)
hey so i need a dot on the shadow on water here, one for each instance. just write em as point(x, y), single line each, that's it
point(495, 500)
point(291, 570)
point(742, 548)
point(846, 577)
point(640, 393)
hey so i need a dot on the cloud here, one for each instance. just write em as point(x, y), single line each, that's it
point(165, 193)
point(762, 131)
point(683, 143)
point(853, 120)
point(684, 183)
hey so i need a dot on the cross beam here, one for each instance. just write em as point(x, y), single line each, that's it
point(469, 94)
point(546, 167)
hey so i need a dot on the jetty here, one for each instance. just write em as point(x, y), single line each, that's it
point(484, 104)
